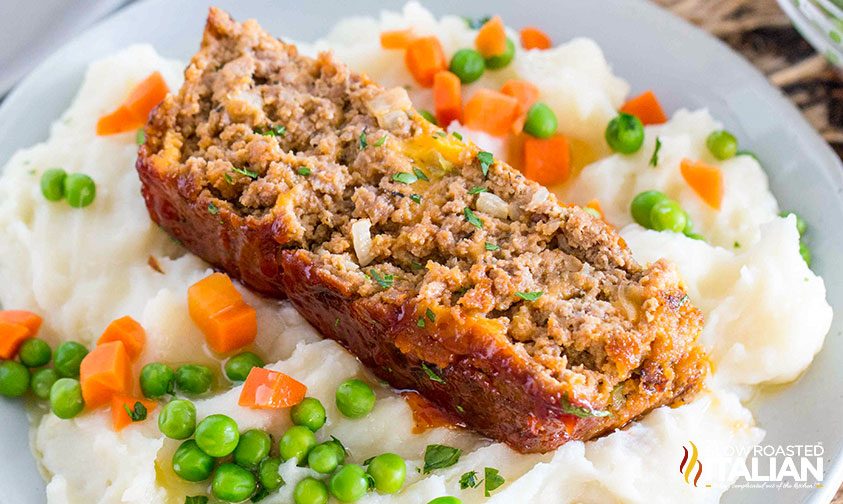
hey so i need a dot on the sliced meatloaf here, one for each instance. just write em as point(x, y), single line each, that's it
point(443, 270)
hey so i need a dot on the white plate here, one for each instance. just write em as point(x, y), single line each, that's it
point(648, 46)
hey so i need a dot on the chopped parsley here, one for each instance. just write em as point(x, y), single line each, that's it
point(416, 198)
point(472, 218)
point(491, 247)
point(439, 134)
point(228, 178)
point(363, 142)
point(140, 137)
point(420, 322)
point(384, 281)
point(433, 375)
point(381, 141)
point(460, 409)
point(580, 411)
point(477, 190)
point(438, 456)
point(493, 480)
point(304, 171)
point(404, 178)
point(416, 265)
point(654, 159)
point(430, 315)
point(486, 159)
point(420, 174)
point(196, 499)
point(469, 480)
point(137, 413)
point(529, 296)
point(212, 209)
point(243, 171)
point(457, 135)
point(337, 322)
point(476, 23)
point(737, 244)
point(275, 131)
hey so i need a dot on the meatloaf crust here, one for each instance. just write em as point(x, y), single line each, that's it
point(441, 271)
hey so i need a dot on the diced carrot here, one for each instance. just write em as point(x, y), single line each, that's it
point(11, 338)
point(447, 97)
point(706, 180)
point(105, 371)
point(120, 417)
point(526, 93)
point(267, 389)
point(218, 309)
point(397, 39)
point(490, 111)
point(547, 161)
point(424, 58)
point(31, 321)
point(534, 38)
point(135, 109)
point(127, 330)
point(645, 107)
point(491, 38)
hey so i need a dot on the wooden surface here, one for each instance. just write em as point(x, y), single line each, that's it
point(763, 34)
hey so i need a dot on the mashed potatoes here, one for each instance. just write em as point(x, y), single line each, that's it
point(765, 310)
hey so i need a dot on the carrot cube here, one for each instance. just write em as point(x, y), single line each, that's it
point(547, 161)
point(105, 371)
point(25, 318)
point(267, 389)
point(424, 58)
point(491, 112)
point(127, 330)
point(218, 309)
point(11, 338)
point(491, 38)
point(396, 39)
point(447, 97)
point(645, 107)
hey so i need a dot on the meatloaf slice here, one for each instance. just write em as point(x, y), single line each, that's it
point(443, 270)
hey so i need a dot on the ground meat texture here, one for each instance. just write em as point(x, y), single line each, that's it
point(527, 319)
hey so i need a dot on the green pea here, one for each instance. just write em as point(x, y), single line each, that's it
point(253, 447)
point(232, 483)
point(237, 368)
point(722, 144)
point(540, 121)
point(217, 435)
point(388, 472)
point(14, 379)
point(52, 184)
point(667, 215)
point(502, 60)
point(66, 398)
point(326, 457)
point(35, 352)
point(191, 463)
point(296, 443)
point(445, 500)
point(801, 224)
point(468, 65)
point(177, 419)
point(355, 398)
point(429, 117)
point(805, 252)
point(310, 491)
point(625, 133)
point(642, 204)
point(157, 380)
point(68, 357)
point(268, 474)
point(194, 378)
point(309, 413)
point(42, 381)
point(349, 483)
point(79, 189)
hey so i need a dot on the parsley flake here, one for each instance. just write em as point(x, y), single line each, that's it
point(477, 190)
point(137, 413)
point(476, 23)
point(472, 218)
point(404, 178)
point(304, 171)
point(430, 315)
point(381, 141)
point(416, 198)
point(228, 178)
point(212, 209)
point(440, 456)
point(654, 159)
point(493, 480)
point(469, 480)
point(248, 173)
point(581, 411)
point(420, 174)
point(457, 135)
point(420, 322)
point(363, 142)
point(433, 375)
point(491, 247)
point(140, 137)
point(384, 281)
point(486, 159)
point(529, 296)
point(416, 265)
point(275, 131)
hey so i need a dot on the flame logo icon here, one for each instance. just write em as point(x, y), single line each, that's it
point(689, 461)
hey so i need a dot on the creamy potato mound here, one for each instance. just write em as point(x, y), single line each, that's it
point(766, 313)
